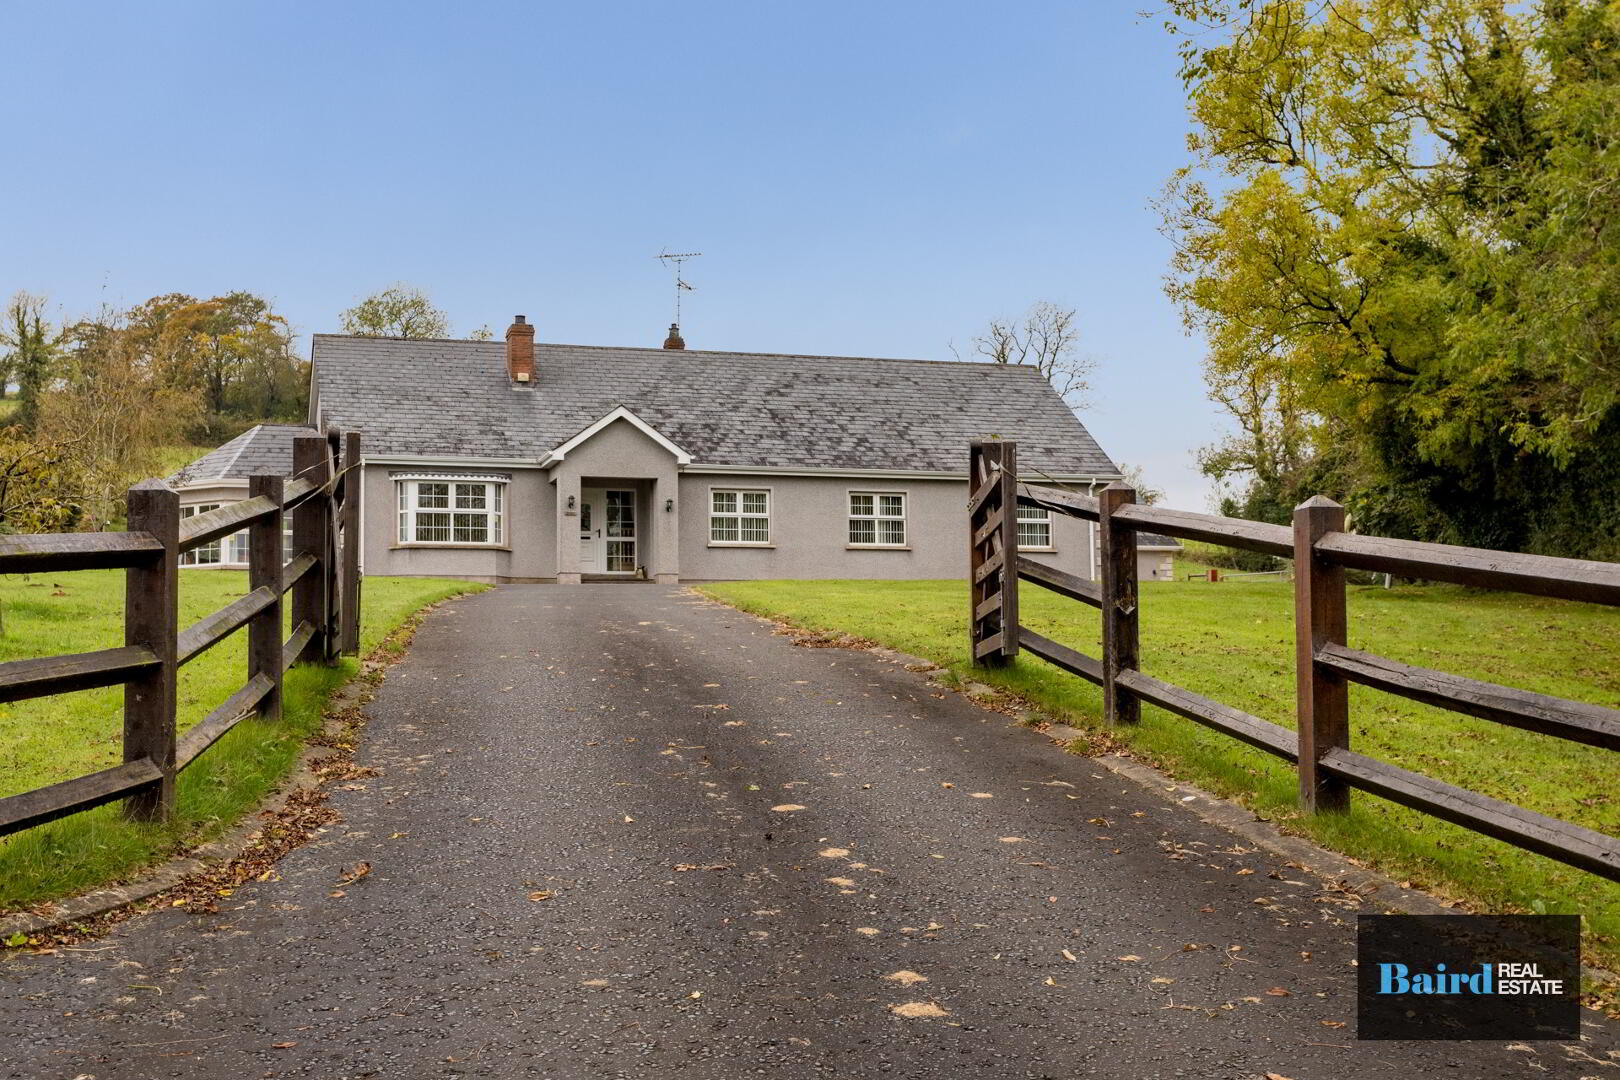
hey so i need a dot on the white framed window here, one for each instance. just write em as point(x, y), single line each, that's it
point(877, 519)
point(449, 510)
point(231, 550)
point(1034, 528)
point(739, 517)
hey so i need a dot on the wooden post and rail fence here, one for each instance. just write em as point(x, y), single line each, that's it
point(1325, 665)
point(321, 571)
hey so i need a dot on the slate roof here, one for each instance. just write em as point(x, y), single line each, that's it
point(262, 448)
point(1156, 540)
point(454, 398)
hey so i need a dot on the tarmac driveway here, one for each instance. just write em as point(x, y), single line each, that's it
point(620, 831)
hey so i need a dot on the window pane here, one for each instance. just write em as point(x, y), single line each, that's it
point(1033, 513)
point(753, 502)
point(892, 505)
point(860, 504)
point(621, 556)
point(621, 513)
point(433, 495)
point(725, 502)
point(471, 529)
point(1034, 534)
point(891, 531)
point(723, 528)
point(862, 531)
point(756, 530)
point(433, 528)
point(470, 496)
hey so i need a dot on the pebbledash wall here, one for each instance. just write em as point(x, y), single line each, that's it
point(809, 523)
point(809, 531)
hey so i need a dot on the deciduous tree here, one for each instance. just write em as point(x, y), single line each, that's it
point(1046, 338)
point(398, 311)
point(1400, 235)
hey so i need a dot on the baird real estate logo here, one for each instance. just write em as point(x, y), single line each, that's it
point(1468, 976)
point(1508, 978)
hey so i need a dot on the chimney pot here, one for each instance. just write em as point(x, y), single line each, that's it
point(520, 351)
point(674, 340)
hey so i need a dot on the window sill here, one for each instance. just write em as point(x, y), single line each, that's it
point(877, 547)
point(1037, 550)
point(739, 544)
point(449, 546)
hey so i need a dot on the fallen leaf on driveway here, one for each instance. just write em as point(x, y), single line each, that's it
point(834, 852)
point(283, 1045)
point(1131, 959)
point(355, 873)
point(841, 882)
point(906, 978)
point(918, 1010)
point(981, 795)
point(787, 808)
point(1013, 840)
point(869, 931)
point(1277, 991)
point(541, 894)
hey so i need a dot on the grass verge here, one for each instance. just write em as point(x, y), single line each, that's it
point(1234, 642)
point(51, 739)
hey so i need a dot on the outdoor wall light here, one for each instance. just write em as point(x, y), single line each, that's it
point(669, 505)
point(570, 502)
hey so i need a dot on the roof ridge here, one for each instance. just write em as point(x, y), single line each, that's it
point(246, 438)
point(677, 353)
point(391, 337)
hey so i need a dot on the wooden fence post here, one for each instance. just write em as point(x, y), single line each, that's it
point(334, 557)
point(349, 606)
point(151, 608)
point(1117, 542)
point(265, 560)
point(993, 551)
point(1319, 619)
point(312, 461)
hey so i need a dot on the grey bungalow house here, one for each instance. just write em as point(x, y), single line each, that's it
point(520, 461)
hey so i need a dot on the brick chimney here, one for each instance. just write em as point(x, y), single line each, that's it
point(674, 341)
point(520, 350)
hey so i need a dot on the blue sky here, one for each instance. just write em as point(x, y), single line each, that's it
point(867, 179)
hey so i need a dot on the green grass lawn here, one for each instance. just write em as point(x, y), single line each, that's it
point(46, 740)
point(1234, 642)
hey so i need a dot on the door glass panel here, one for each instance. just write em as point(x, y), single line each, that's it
point(584, 517)
point(621, 556)
point(621, 513)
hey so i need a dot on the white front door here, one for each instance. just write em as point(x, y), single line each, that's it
point(607, 531)
point(590, 531)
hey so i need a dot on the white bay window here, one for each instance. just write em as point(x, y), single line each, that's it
point(452, 510)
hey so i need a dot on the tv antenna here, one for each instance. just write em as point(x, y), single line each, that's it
point(668, 258)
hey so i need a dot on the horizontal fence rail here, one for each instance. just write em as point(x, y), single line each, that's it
point(322, 574)
point(1321, 550)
